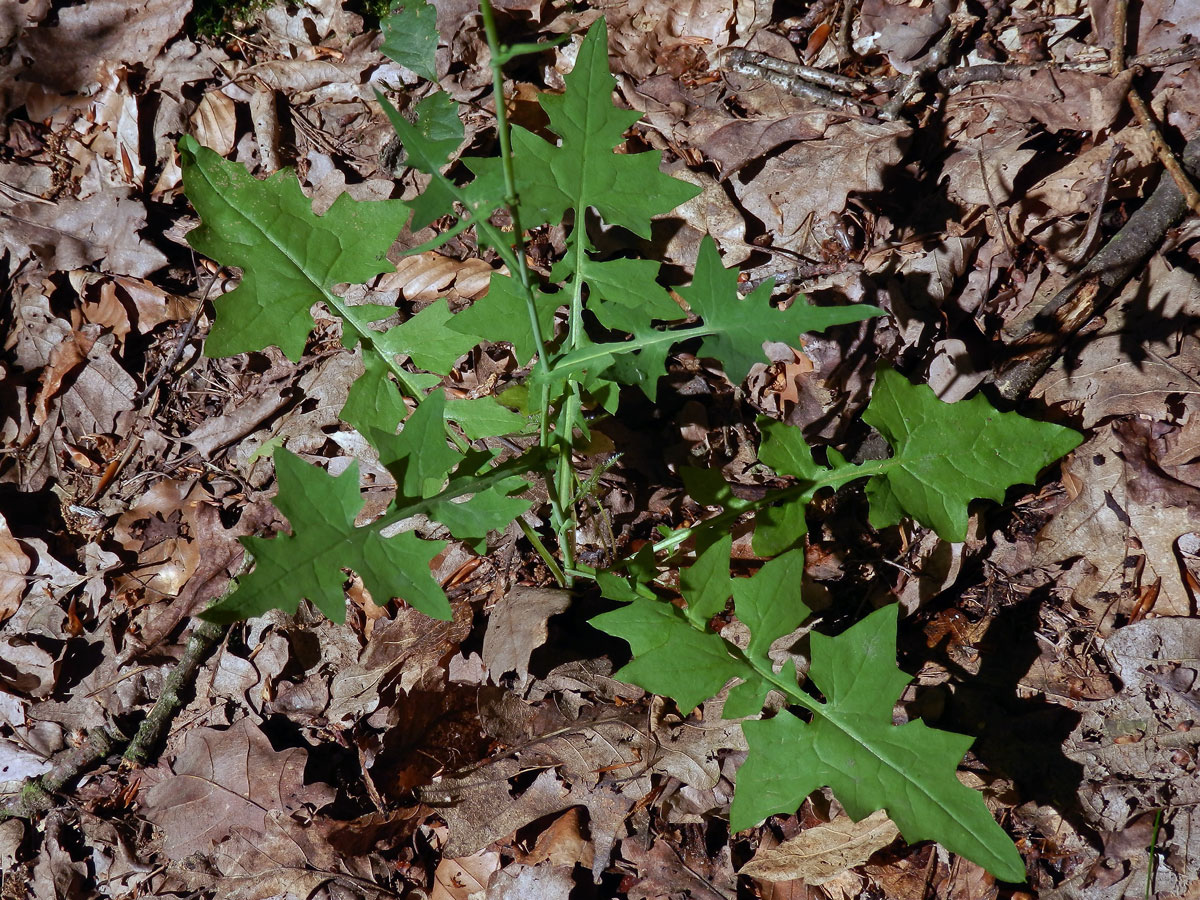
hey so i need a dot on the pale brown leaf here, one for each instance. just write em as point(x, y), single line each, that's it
point(821, 853)
point(227, 780)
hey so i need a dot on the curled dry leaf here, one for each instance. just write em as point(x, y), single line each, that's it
point(460, 879)
point(214, 122)
point(429, 275)
point(820, 854)
point(161, 531)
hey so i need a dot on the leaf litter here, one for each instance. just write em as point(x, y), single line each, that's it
point(121, 513)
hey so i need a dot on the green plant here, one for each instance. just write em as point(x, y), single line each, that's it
point(944, 456)
point(212, 18)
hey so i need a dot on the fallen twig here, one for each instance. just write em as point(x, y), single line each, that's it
point(203, 638)
point(812, 84)
point(843, 32)
point(1145, 118)
point(1089, 292)
point(792, 76)
point(38, 795)
point(933, 61)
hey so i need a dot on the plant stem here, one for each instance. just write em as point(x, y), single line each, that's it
point(496, 52)
point(545, 554)
point(562, 516)
point(805, 490)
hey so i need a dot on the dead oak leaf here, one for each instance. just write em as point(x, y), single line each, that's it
point(1142, 358)
point(14, 566)
point(808, 182)
point(226, 782)
point(103, 229)
point(1122, 496)
point(517, 627)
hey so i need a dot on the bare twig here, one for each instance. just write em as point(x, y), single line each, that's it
point(843, 32)
point(1164, 153)
point(799, 86)
point(38, 794)
point(1120, 12)
point(759, 64)
point(742, 60)
point(1145, 118)
point(815, 14)
point(1081, 250)
point(934, 61)
point(181, 343)
point(205, 635)
point(1089, 292)
point(802, 274)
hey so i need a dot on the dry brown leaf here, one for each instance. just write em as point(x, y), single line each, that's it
point(666, 869)
point(227, 781)
point(466, 877)
point(562, 843)
point(903, 31)
point(984, 174)
point(426, 276)
point(821, 853)
point(1122, 497)
point(522, 882)
point(65, 358)
point(160, 528)
point(403, 654)
point(102, 229)
point(57, 875)
point(517, 626)
point(1145, 354)
point(1141, 736)
point(807, 183)
point(649, 36)
point(66, 57)
point(743, 140)
point(214, 123)
point(1070, 191)
point(14, 566)
point(26, 669)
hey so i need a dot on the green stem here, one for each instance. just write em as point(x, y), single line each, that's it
point(496, 53)
point(562, 516)
point(545, 554)
point(805, 490)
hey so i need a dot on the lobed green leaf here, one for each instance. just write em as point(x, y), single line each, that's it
point(410, 37)
point(309, 562)
point(948, 454)
point(290, 257)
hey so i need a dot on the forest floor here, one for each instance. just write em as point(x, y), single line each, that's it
point(1061, 634)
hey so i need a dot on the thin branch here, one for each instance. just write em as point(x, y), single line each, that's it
point(1145, 118)
point(843, 33)
point(148, 735)
point(39, 795)
point(1090, 291)
point(934, 61)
